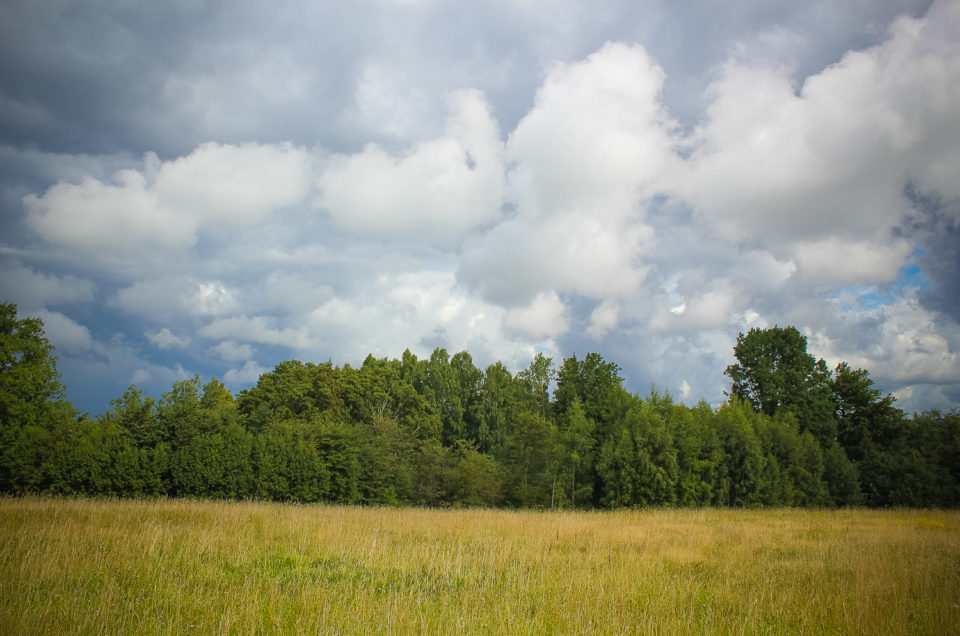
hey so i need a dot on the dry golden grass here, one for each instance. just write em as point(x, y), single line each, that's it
point(112, 567)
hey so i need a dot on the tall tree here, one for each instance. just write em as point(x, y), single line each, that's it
point(598, 386)
point(536, 378)
point(775, 374)
point(497, 408)
point(29, 381)
point(741, 474)
point(32, 401)
point(179, 412)
point(137, 415)
point(864, 416)
point(576, 455)
point(531, 460)
point(471, 383)
point(698, 452)
point(442, 391)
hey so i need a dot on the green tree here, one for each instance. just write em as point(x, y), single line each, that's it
point(293, 390)
point(743, 462)
point(775, 374)
point(179, 412)
point(386, 476)
point(497, 408)
point(697, 451)
point(286, 467)
point(441, 388)
point(431, 463)
point(217, 407)
point(474, 479)
point(471, 383)
point(616, 470)
point(864, 416)
point(531, 461)
point(136, 414)
point(576, 455)
point(30, 389)
point(536, 380)
point(842, 477)
point(598, 386)
point(657, 456)
point(338, 448)
point(32, 401)
point(638, 464)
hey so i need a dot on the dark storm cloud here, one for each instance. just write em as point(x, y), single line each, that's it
point(107, 77)
point(935, 224)
point(941, 262)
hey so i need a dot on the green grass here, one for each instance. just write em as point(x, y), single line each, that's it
point(145, 567)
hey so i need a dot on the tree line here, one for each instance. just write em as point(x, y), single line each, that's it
point(440, 431)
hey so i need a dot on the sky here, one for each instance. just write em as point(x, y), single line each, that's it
point(193, 187)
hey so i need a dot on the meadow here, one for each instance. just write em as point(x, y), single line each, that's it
point(173, 566)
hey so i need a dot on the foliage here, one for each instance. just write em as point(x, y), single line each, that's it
point(441, 432)
point(29, 383)
point(775, 374)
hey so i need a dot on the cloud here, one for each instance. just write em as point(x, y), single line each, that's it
point(604, 318)
point(293, 292)
point(833, 262)
point(163, 206)
point(596, 143)
point(212, 299)
point(386, 105)
point(569, 252)
point(545, 317)
point(409, 309)
point(170, 296)
point(234, 185)
point(64, 333)
point(155, 374)
point(103, 369)
point(711, 309)
point(230, 351)
point(248, 374)
point(907, 345)
point(260, 329)
point(120, 219)
point(31, 289)
point(597, 138)
point(780, 163)
point(438, 191)
point(165, 339)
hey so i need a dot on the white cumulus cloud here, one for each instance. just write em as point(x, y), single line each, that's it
point(163, 206)
point(249, 373)
point(231, 351)
point(166, 339)
point(64, 333)
point(780, 162)
point(233, 185)
point(439, 190)
point(31, 289)
point(545, 317)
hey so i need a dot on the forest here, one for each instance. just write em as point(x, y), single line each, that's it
point(441, 432)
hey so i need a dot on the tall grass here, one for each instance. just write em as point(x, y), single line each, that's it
point(145, 567)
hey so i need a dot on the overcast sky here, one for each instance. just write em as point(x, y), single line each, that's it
point(214, 187)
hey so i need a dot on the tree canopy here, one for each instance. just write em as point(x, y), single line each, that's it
point(438, 431)
point(775, 374)
point(29, 381)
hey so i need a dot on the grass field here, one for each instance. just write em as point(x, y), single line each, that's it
point(112, 567)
